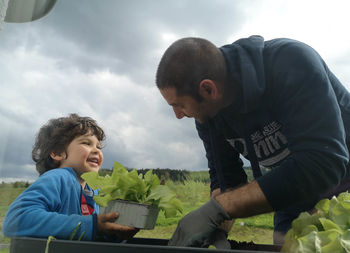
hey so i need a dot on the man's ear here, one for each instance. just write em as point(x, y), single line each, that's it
point(208, 89)
point(58, 157)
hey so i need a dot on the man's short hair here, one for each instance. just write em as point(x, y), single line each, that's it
point(57, 134)
point(187, 62)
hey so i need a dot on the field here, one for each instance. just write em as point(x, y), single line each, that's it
point(7, 194)
point(192, 193)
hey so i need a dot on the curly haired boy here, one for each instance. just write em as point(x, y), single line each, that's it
point(60, 199)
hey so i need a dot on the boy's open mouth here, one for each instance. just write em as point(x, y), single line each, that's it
point(94, 161)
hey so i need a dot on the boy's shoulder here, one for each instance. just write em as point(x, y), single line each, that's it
point(62, 180)
point(64, 173)
point(57, 178)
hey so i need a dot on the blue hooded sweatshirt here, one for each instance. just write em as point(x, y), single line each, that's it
point(52, 206)
point(290, 114)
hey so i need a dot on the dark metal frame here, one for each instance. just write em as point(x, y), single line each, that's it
point(135, 245)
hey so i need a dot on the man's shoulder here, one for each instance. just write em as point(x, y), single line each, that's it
point(290, 47)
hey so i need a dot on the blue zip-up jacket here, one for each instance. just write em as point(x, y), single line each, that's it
point(51, 206)
point(291, 114)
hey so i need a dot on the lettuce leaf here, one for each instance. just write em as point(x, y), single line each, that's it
point(132, 186)
point(326, 231)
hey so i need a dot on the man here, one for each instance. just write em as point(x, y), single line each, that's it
point(274, 102)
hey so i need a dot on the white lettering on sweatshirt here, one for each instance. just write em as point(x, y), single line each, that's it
point(270, 144)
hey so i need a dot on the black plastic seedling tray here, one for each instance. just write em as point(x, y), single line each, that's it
point(135, 245)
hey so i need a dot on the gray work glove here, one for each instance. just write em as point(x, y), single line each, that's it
point(197, 228)
point(219, 239)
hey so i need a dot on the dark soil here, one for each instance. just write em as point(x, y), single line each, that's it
point(234, 244)
point(253, 247)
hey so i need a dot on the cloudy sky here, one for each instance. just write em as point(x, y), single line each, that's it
point(98, 59)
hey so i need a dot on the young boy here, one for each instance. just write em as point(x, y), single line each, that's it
point(60, 199)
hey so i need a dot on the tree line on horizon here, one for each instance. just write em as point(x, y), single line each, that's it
point(175, 175)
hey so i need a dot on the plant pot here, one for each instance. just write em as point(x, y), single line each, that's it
point(133, 214)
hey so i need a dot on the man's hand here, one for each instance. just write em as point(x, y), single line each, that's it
point(219, 239)
point(106, 226)
point(198, 227)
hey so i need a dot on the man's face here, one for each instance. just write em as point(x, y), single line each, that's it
point(186, 106)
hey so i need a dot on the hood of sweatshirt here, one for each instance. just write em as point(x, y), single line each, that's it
point(245, 64)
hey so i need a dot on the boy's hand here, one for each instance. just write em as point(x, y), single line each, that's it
point(106, 225)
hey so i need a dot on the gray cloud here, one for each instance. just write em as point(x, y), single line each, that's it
point(123, 35)
point(98, 58)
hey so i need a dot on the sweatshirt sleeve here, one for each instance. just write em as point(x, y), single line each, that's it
point(306, 105)
point(222, 159)
point(46, 209)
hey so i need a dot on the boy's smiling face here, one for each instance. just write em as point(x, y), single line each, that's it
point(83, 154)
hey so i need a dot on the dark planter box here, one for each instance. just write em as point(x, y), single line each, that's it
point(137, 245)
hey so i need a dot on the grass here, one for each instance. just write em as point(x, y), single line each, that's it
point(238, 233)
point(245, 233)
point(260, 221)
point(257, 229)
point(7, 195)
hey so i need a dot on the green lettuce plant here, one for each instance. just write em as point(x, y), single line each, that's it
point(326, 231)
point(132, 186)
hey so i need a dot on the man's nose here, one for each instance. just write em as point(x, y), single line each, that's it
point(178, 113)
